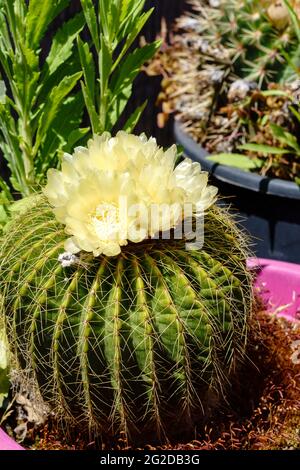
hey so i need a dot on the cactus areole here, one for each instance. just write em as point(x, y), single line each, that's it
point(138, 341)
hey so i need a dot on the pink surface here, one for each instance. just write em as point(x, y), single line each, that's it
point(6, 443)
point(277, 283)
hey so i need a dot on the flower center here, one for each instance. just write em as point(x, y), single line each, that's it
point(106, 221)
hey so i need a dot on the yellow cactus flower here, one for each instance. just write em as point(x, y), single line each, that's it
point(105, 193)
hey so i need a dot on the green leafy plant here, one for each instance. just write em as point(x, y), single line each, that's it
point(137, 342)
point(280, 156)
point(40, 113)
point(108, 80)
point(38, 106)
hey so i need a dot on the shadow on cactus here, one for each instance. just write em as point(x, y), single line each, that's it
point(132, 334)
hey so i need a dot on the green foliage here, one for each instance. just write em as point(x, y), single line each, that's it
point(138, 342)
point(40, 113)
point(237, 160)
point(38, 106)
point(271, 116)
point(107, 82)
point(288, 142)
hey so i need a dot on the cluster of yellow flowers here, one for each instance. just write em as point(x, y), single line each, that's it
point(104, 193)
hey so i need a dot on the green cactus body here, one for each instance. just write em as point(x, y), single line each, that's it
point(256, 47)
point(129, 343)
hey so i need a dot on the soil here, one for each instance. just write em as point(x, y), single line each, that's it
point(262, 411)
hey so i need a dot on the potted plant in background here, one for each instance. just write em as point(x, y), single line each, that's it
point(113, 326)
point(232, 77)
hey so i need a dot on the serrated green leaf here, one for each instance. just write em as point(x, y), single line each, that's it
point(105, 63)
point(297, 180)
point(265, 149)
point(53, 105)
point(5, 38)
point(56, 141)
point(93, 115)
point(129, 69)
point(267, 93)
point(25, 76)
point(5, 192)
point(264, 120)
point(115, 18)
point(31, 57)
point(2, 92)
point(11, 19)
point(46, 85)
point(40, 15)
point(131, 11)
point(120, 22)
point(179, 154)
point(136, 29)
point(20, 8)
point(295, 113)
point(62, 44)
point(91, 20)
point(134, 118)
point(236, 160)
point(122, 80)
point(278, 131)
point(127, 6)
point(88, 86)
point(74, 137)
point(117, 105)
point(5, 61)
point(285, 137)
point(10, 144)
point(104, 17)
point(88, 67)
point(15, 183)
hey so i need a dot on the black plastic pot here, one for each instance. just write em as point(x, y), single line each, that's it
point(269, 207)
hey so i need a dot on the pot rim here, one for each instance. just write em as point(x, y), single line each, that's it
point(235, 176)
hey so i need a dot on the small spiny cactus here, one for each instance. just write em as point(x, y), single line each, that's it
point(130, 343)
point(246, 45)
point(255, 37)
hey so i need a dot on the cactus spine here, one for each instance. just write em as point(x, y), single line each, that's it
point(131, 343)
point(251, 36)
point(221, 44)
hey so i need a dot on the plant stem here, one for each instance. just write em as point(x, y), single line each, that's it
point(26, 147)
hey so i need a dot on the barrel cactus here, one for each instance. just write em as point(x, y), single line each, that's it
point(135, 340)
